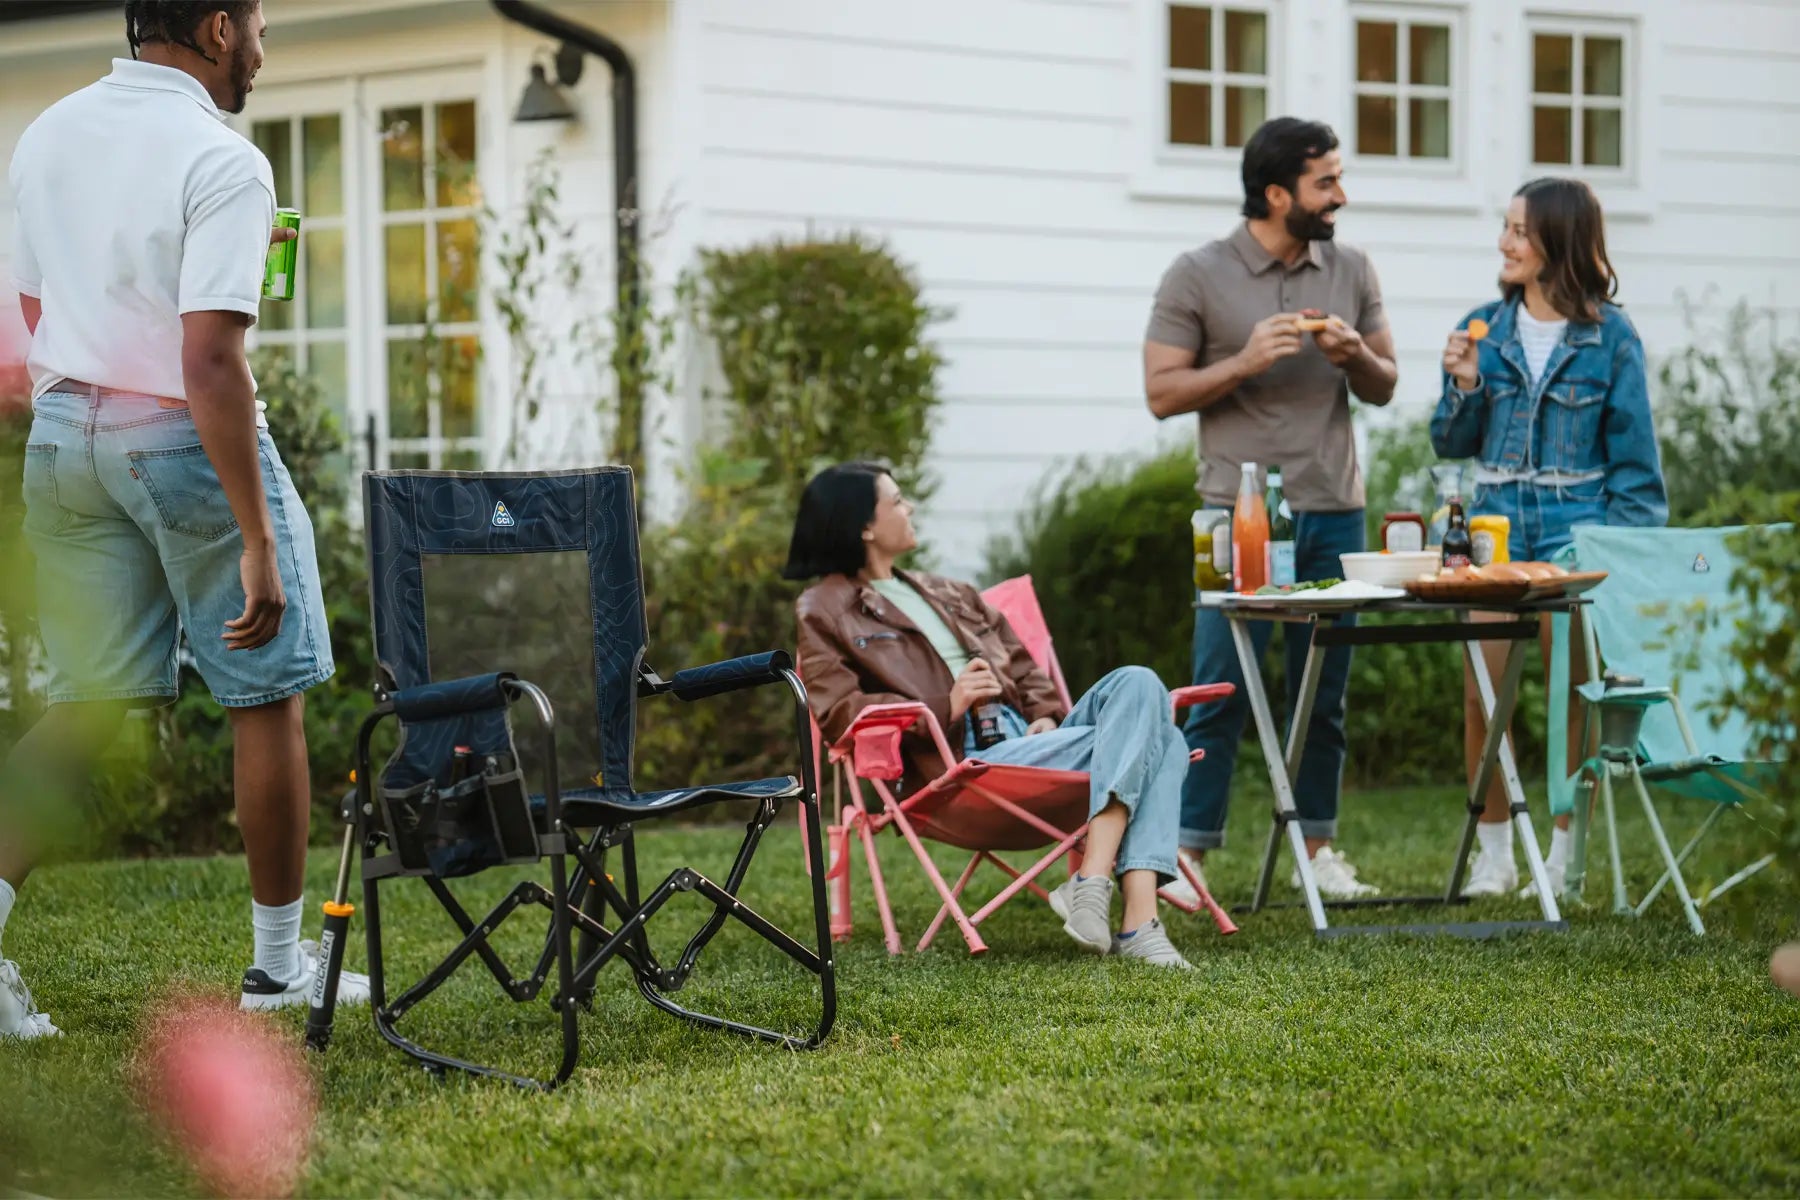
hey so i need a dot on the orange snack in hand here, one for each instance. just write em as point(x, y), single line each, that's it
point(1478, 329)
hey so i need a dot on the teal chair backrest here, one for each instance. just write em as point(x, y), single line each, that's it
point(1653, 617)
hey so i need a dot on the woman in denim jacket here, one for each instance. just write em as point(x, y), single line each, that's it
point(1554, 407)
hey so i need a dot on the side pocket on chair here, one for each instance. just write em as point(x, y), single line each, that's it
point(480, 822)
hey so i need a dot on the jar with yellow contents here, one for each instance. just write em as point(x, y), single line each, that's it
point(1489, 536)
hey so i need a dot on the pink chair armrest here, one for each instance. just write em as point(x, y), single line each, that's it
point(872, 742)
point(1203, 693)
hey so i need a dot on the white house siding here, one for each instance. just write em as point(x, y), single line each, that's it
point(1001, 146)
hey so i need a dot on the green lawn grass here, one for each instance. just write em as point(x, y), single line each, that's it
point(1621, 1058)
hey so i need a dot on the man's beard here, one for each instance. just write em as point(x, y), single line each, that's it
point(240, 79)
point(1307, 226)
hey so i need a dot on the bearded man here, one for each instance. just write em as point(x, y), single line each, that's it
point(1266, 334)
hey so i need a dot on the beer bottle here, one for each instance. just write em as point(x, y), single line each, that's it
point(1459, 548)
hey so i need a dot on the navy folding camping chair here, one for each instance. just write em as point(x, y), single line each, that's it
point(495, 589)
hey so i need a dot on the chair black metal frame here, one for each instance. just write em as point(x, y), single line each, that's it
point(436, 820)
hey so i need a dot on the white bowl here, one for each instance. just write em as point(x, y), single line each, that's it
point(1390, 570)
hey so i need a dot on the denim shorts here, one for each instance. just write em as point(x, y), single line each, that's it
point(135, 543)
point(1543, 516)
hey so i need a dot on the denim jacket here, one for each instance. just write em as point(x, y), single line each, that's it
point(1589, 413)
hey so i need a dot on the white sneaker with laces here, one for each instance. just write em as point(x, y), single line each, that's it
point(1492, 875)
point(1336, 877)
point(262, 994)
point(1557, 872)
point(1181, 893)
point(19, 1016)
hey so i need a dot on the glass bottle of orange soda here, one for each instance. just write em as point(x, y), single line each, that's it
point(1249, 534)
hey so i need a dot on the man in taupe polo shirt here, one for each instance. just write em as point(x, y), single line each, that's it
point(1225, 341)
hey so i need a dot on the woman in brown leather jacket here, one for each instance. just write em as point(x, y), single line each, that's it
point(872, 634)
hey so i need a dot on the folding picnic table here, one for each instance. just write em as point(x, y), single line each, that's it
point(1451, 623)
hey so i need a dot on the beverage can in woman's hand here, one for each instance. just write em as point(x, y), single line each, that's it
point(990, 724)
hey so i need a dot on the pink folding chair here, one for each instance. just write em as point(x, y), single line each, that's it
point(977, 806)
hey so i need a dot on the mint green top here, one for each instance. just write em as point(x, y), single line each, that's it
point(918, 610)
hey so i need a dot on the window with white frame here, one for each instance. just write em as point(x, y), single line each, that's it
point(1579, 78)
point(429, 323)
point(1404, 85)
point(311, 333)
point(1217, 72)
point(385, 316)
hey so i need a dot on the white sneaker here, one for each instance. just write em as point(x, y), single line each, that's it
point(1336, 877)
point(1557, 873)
point(262, 994)
point(1492, 875)
point(1181, 893)
point(19, 1016)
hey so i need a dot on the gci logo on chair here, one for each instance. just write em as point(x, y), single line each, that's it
point(503, 519)
point(1701, 566)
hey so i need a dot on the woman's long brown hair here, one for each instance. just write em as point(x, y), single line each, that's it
point(1568, 230)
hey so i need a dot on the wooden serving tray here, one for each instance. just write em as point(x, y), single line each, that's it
point(1486, 591)
point(1467, 591)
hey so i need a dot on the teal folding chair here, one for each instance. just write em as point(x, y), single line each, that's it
point(1662, 624)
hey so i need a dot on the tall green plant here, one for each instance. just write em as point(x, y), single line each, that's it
point(1729, 420)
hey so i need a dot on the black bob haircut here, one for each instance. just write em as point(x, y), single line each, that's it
point(172, 22)
point(836, 507)
point(1277, 153)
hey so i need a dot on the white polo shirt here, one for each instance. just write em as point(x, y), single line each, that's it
point(136, 204)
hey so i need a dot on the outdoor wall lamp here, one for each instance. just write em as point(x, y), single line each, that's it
point(546, 101)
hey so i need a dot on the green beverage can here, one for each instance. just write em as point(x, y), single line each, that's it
point(284, 257)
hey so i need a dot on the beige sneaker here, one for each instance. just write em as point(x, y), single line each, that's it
point(1151, 944)
point(1181, 893)
point(1085, 905)
point(1336, 877)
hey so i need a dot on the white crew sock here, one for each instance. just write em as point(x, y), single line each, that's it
point(1496, 839)
point(1559, 846)
point(277, 932)
point(7, 896)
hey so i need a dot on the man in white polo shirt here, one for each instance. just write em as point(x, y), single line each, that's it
point(155, 500)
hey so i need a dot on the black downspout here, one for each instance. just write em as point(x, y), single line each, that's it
point(630, 367)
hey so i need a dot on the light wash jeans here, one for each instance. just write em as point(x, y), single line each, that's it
point(1123, 735)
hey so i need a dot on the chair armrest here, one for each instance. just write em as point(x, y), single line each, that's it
point(450, 697)
point(1643, 697)
point(872, 743)
point(734, 674)
point(1202, 693)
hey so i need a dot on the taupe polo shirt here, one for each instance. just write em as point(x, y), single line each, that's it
point(1297, 413)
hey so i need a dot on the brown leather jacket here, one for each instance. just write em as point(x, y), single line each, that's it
point(857, 649)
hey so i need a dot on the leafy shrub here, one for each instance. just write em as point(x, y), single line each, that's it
point(1728, 408)
point(823, 352)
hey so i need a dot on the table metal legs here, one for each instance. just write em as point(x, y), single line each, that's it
point(1283, 763)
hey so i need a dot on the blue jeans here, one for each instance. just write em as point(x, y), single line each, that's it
point(1217, 728)
point(1121, 733)
point(134, 543)
point(1543, 518)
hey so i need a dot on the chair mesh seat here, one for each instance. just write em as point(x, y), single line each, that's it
point(591, 806)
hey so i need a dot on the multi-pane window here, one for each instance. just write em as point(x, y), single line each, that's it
point(429, 323)
point(1403, 87)
point(1578, 90)
point(385, 318)
point(306, 154)
point(1218, 75)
